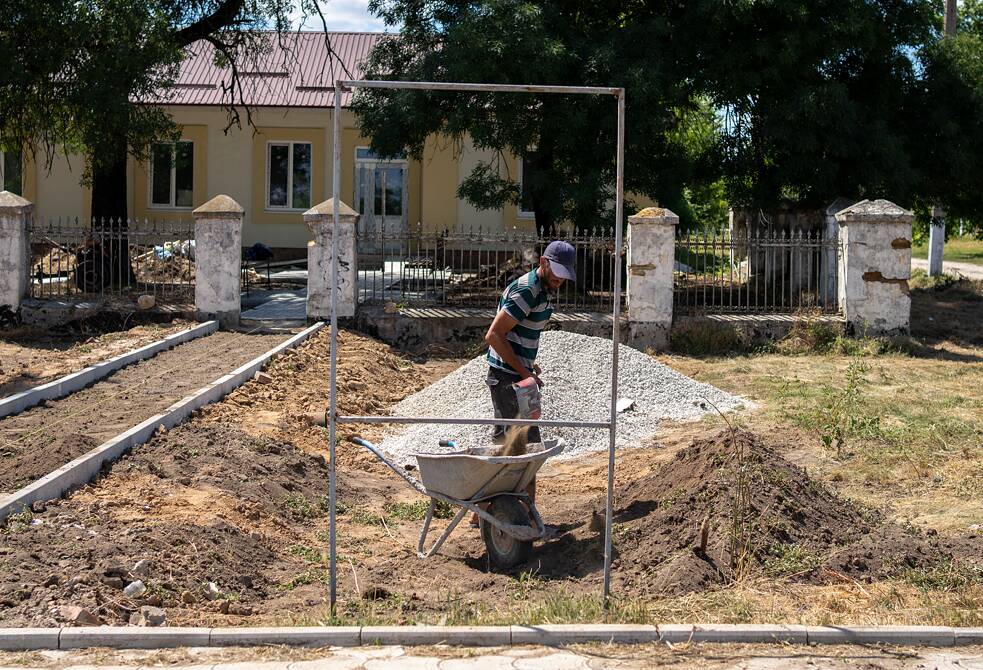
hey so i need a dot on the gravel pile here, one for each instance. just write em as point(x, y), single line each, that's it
point(577, 377)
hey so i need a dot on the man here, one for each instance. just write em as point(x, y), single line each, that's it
point(513, 338)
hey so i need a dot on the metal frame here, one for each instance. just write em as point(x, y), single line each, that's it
point(333, 419)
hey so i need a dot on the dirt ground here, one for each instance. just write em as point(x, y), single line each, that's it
point(45, 437)
point(30, 357)
point(230, 508)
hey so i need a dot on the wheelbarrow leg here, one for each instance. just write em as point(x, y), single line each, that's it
point(440, 540)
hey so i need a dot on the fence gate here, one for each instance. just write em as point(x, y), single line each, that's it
point(766, 272)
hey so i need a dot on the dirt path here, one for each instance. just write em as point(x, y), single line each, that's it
point(30, 357)
point(35, 442)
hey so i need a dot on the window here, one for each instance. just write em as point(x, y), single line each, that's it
point(288, 175)
point(172, 174)
point(381, 181)
point(10, 170)
point(526, 172)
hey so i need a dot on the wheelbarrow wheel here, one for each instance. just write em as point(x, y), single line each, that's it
point(504, 550)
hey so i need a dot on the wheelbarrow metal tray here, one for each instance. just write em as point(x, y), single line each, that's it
point(462, 474)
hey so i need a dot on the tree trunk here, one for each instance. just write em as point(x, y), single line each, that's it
point(104, 263)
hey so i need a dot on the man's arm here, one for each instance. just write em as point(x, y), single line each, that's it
point(496, 339)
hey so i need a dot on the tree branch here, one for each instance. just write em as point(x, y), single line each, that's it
point(205, 26)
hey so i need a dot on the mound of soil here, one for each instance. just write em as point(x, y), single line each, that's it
point(782, 521)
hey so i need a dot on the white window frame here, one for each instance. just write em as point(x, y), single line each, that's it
point(373, 163)
point(173, 183)
point(289, 207)
point(521, 213)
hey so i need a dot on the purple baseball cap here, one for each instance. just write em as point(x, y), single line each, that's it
point(563, 259)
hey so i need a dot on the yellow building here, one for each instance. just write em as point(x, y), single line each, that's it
point(281, 167)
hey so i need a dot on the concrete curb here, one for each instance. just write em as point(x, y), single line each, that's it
point(63, 386)
point(85, 468)
point(123, 637)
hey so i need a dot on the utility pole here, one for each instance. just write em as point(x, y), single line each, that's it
point(936, 231)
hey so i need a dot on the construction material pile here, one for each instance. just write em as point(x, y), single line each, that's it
point(577, 378)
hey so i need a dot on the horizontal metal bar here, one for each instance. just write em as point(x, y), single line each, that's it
point(472, 422)
point(485, 88)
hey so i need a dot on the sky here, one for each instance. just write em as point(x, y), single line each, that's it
point(343, 15)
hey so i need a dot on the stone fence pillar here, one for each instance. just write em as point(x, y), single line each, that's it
point(651, 259)
point(874, 294)
point(218, 260)
point(15, 214)
point(320, 221)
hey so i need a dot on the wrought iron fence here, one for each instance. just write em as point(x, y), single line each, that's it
point(79, 260)
point(770, 272)
point(471, 268)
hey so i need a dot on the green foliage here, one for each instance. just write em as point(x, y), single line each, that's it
point(789, 559)
point(945, 575)
point(841, 415)
point(922, 280)
point(302, 508)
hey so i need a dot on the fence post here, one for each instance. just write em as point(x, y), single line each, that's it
point(218, 260)
point(936, 242)
point(320, 221)
point(876, 267)
point(651, 259)
point(15, 213)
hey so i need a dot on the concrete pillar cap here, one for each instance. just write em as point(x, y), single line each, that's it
point(326, 208)
point(218, 206)
point(874, 211)
point(655, 215)
point(12, 201)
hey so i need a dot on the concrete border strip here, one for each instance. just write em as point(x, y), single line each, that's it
point(131, 637)
point(83, 469)
point(76, 381)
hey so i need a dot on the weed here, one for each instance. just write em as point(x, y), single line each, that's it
point(707, 338)
point(313, 576)
point(417, 511)
point(301, 508)
point(19, 521)
point(922, 280)
point(789, 559)
point(840, 415)
point(946, 575)
point(309, 554)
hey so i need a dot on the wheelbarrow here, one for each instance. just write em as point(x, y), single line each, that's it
point(476, 479)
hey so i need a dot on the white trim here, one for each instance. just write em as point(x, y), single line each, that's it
point(290, 176)
point(170, 206)
point(372, 163)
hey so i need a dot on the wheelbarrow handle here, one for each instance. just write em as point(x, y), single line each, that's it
point(449, 443)
point(392, 466)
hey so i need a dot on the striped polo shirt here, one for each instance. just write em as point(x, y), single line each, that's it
point(527, 301)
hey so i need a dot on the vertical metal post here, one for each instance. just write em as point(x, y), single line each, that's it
point(332, 389)
point(615, 339)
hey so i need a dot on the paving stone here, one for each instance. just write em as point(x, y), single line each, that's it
point(403, 663)
point(495, 662)
point(337, 662)
point(560, 661)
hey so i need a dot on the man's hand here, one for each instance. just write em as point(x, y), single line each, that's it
point(536, 372)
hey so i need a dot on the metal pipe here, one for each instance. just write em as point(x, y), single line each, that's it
point(484, 88)
point(460, 421)
point(332, 394)
point(615, 339)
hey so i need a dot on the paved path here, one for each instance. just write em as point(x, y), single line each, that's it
point(593, 657)
point(967, 270)
point(279, 306)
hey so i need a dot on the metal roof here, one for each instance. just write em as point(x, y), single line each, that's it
point(291, 70)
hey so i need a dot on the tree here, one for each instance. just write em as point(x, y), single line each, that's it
point(567, 141)
point(72, 69)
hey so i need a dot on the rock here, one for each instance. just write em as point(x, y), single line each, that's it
point(240, 610)
point(212, 591)
point(255, 535)
point(263, 378)
point(152, 616)
point(114, 582)
point(52, 580)
point(188, 598)
point(38, 506)
point(245, 580)
point(223, 606)
point(135, 589)
point(184, 481)
point(142, 568)
point(146, 302)
point(78, 616)
point(155, 600)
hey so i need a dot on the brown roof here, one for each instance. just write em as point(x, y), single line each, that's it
point(294, 71)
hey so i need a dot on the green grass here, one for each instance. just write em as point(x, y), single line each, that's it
point(963, 249)
point(946, 575)
point(789, 559)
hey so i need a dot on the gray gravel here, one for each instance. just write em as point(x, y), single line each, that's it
point(577, 378)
